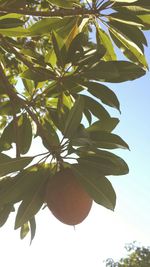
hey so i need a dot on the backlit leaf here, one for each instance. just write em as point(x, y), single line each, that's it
point(99, 188)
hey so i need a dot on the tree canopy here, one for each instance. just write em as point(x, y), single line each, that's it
point(56, 58)
point(137, 256)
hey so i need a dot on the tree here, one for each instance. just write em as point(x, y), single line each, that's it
point(137, 256)
point(62, 53)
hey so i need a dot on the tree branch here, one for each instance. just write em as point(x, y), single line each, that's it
point(57, 13)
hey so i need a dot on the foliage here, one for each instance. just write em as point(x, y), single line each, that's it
point(137, 256)
point(62, 53)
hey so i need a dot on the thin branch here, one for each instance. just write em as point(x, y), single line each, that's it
point(56, 13)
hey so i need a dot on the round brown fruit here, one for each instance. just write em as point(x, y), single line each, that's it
point(67, 199)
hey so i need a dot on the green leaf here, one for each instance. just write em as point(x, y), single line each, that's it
point(99, 188)
point(107, 140)
point(146, 20)
point(74, 117)
point(6, 107)
point(9, 165)
point(38, 74)
point(114, 71)
point(51, 138)
point(5, 212)
point(59, 49)
point(7, 137)
point(88, 115)
point(33, 201)
point(131, 48)
point(104, 39)
point(95, 108)
point(105, 125)
point(25, 132)
point(10, 23)
point(15, 32)
point(64, 4)
point(32, 228)
point(19, 132)
point(45, 25)
point(107, 163)
point(125, 18)
point(106, 95)
point(24, 230)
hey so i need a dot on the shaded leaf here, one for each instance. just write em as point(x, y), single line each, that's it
point(10, 23)
point(38, 74)
point(99, 188)
point(105, 125)
point(4, 213)
point(10, 165)
point(74, 117)
point(106, 95)
point(107, 140)
point(25, 132)
point(32, 201)
point(95, 108)
point(114, 71)
point(106, 162)
point(32, 228)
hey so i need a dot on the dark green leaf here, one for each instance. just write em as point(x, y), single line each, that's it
point(10, 165)
point(99, 188)
point(107, 163)
point(106, 95)
point(33, 200)
point(74, 117)
point(95, 108)
point(51, 138)
point(32, 228)
point(4, 213)
point(25, 132)
point(107, 140)
point(10, 23)
point(38, 74)
point(114, 71)
point(105, 125)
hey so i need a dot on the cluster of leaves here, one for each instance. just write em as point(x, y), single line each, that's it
point(137, 256)
point(62, 52)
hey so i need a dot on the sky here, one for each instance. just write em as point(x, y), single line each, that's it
point(104, 233)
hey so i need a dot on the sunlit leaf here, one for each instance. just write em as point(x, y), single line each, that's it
point(24, 230)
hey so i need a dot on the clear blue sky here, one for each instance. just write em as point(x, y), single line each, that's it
point(104, 233)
